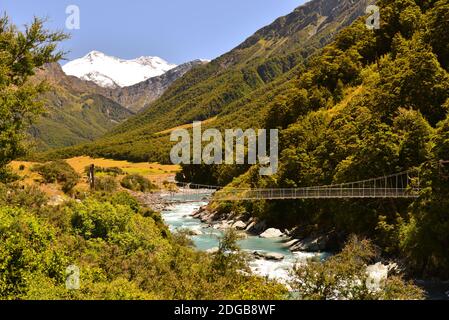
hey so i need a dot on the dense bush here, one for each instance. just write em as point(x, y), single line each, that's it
point(123, 251)
point(136, 182)
point(106, 184)
point(372, 103)
point(58, 171)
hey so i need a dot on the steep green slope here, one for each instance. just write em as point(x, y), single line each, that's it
point(224, 87)
point(373, 103)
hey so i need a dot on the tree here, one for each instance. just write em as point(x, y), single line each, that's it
point(438, 24)
point(21, 52)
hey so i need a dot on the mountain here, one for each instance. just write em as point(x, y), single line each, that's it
point(112, 72)
point(79, 111)
point(140, 95)
point(72, 117)
point(237, 87)
point(135, 97)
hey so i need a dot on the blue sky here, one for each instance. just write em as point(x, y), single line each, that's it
point(176, 30)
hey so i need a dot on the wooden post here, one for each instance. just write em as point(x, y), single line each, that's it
point(92, 176)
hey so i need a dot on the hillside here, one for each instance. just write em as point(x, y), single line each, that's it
point(139, 96)
point(256, 70)
point(79, 111)
point(72, 117)
point(372, 103)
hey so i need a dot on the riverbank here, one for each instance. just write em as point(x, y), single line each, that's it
point(252, 226)
point(269, 249)
point(273, 252)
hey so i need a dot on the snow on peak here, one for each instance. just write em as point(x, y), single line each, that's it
point(110, 72)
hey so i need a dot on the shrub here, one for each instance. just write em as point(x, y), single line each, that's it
point(58, 171)
point(106, 184)
point(94, 219)
point(136, 182)
point(120, 198)
point(27, 253)
point(23, 196)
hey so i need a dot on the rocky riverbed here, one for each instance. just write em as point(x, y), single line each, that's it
point(274, 251)
point(251, 226)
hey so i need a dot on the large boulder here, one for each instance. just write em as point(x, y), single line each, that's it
point(291, 243)
point(271, 233)
point(311, 244)
point(239, 225)
point(222, 225)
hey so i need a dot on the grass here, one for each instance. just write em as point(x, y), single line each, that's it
point(143, 168)
point(155, 172)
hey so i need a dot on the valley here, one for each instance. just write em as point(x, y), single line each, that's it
point(79, 110)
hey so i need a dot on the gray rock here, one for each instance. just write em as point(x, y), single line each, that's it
point(257, 227)
point(291, 243)
point(250, 226)
point(223, 225)
point(239, 225)
point(272, 233)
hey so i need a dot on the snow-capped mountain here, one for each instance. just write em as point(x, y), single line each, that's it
point(112, 72)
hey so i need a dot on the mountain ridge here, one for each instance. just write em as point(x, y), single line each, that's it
point(112, 72)
point(79, 111)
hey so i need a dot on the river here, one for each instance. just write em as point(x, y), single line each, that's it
point(179, 216)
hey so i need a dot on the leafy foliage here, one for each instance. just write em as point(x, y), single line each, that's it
point(106, 184)
point(58, 171)
point(21, 53)
point(123, 252)
point(136, 182)
point(372, 103)
point(113, 171)
point(237, 87)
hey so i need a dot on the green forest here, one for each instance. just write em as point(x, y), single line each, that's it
point(370, 104)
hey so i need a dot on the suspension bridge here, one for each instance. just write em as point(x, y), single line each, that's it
point(400, 185)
